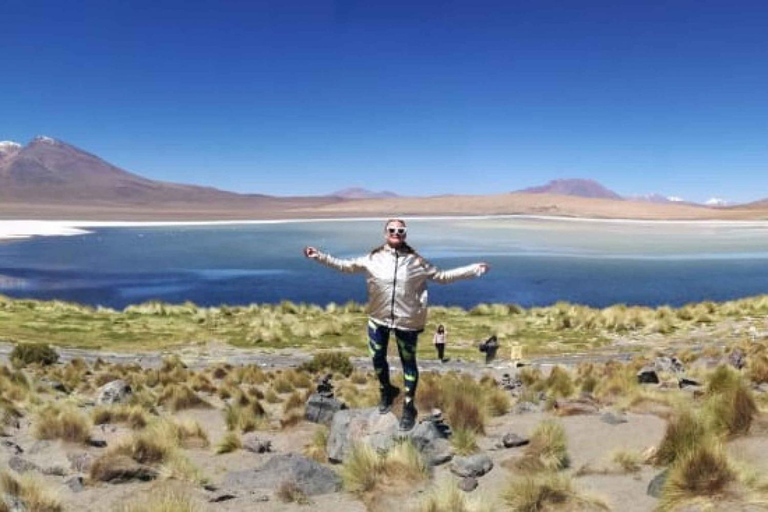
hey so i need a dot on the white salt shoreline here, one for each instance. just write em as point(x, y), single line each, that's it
point(24, 229)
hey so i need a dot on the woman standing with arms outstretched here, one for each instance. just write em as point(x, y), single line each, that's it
point(397, 303)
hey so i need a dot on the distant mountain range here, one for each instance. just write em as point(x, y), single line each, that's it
point(49, 178)
point(51, 170)
point(362, 193)
point(574, 187)
point(577, 187)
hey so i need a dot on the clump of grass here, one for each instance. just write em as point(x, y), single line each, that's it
point(684, 432)
point(164, 500)
point(245, 418)
point(201, 383)
point(446, 497)
point(272, 397)
point(559, 383)
point(498, 402)
point(299, 379)
point(30, 491)
point(229, 443)
point(295, 401)
point(316, 449)
point(529, 376)
point(180, 397)
point(703, 472)
point(283, 385)
point(157, 446)
point(534, 493)
point(460, 397)
point(365, 468)
point(629, 461)
point(290, 492)
point(405, 463)
point(65, 423)
point(334, 362)
point(292, 418)
point(758, 368)
point(134, 415)
point(33, 353)
point(182, 433)
point(464, 441)
point(360, 471)
point(730, 407)
point(547, 450)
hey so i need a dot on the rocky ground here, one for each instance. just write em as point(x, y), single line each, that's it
point(597, 423)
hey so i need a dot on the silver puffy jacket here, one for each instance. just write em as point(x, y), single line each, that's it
point(397, 284)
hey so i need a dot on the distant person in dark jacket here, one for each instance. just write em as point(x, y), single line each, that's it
point(490, 347)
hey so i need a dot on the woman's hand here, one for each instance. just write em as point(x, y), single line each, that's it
point(311, 252)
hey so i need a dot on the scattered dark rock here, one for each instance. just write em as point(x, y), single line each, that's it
point(657, 484)
point(381, 432)
point(511, 383)
point(20, 465)
point(360, 425)
point(474, 465)
point(253, 443)
point(668, 364)
point(613, 418)
point(55, 471)
point(210, 487)
point(224, 496)
point(11, 447)
point(123, 469)
point(54, 385)
point(685, 382)
point(648, 375)
point(97, 443)
point(737, 358)
point(320, 408)
point(309, 476)
point(512, 440)
point(12, 503)
point(325, 386)
point(75, 484)
point(114, 392)
point(468, 484)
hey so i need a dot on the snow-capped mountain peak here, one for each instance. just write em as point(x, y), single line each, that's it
point(9, 145)
point(45, 139)
point(716, 201)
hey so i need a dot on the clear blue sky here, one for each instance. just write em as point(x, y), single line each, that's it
point(416, 97)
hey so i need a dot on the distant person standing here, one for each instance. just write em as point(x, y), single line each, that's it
point(397, 303)
point(439, 340)
point(490, 347)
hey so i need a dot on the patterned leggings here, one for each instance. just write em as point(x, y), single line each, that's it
point(378, 339)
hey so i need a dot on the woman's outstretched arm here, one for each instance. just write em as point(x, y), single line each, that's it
point(349, 266)
point(455, 274)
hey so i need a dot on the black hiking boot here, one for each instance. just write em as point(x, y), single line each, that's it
point(388, 396)
point(408, 420)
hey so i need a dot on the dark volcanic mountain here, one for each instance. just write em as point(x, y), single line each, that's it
point(574, 187)
point(362, 193)
point(53, 171)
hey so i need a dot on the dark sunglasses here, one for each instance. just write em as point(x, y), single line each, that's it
point(399, 231)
